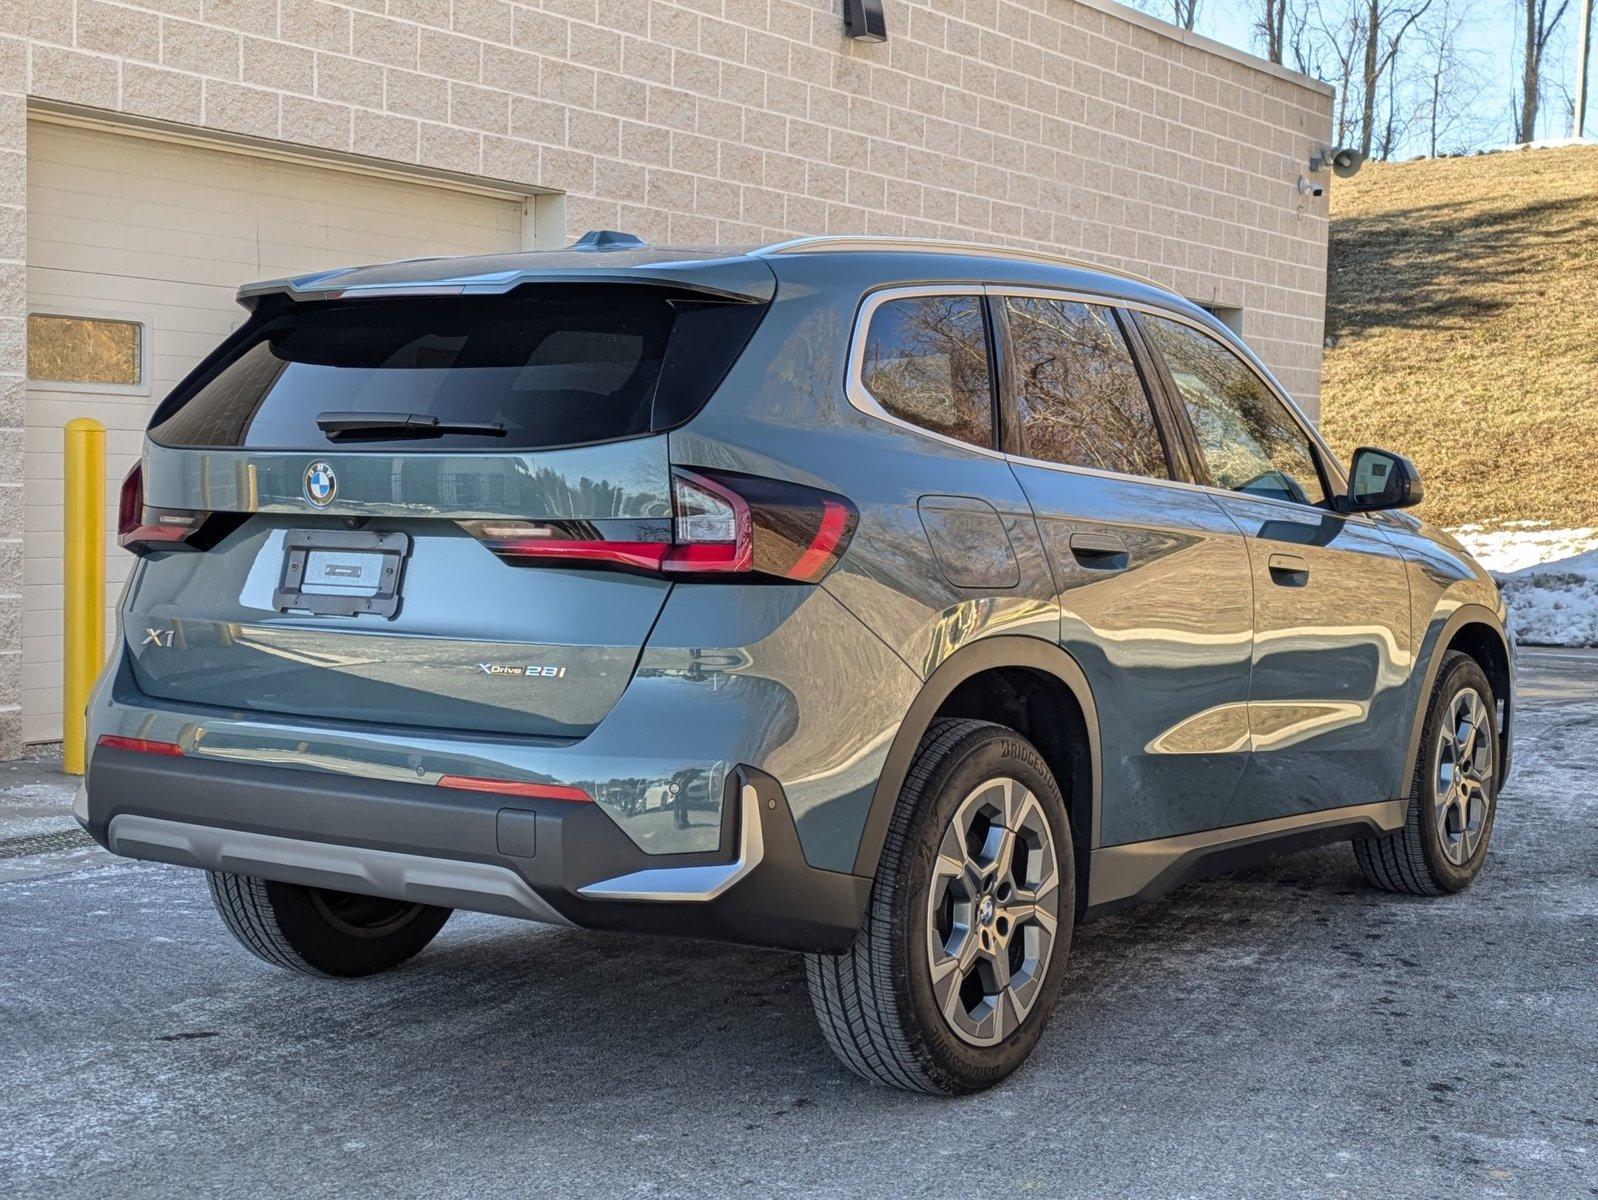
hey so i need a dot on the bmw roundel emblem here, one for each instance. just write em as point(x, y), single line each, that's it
point(321, 485)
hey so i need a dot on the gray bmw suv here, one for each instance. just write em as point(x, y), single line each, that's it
point(898, 603)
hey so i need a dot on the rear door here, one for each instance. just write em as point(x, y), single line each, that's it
point(1332, 641)
point(422, 511)
point(1152, 578)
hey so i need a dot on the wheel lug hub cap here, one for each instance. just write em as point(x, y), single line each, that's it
point(985, 912)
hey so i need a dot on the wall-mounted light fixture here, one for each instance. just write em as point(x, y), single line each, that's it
point(863, 21)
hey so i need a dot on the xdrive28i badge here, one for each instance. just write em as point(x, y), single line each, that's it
point(321, 485)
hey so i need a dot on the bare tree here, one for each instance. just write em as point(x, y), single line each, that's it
point(1303, 47)
point(1338, 34)
point(1271, 27)
point(1285, 31)
point(1385, 27)
point(1178, 12)
point(1539, 27)
point(1453, 78)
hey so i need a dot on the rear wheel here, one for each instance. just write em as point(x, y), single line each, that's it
point(1453, 797)
point(954, 973)
point(319, 931)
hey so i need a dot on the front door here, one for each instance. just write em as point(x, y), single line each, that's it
point(1152, 577)
point(1332, 643)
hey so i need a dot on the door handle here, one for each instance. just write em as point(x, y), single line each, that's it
point(1289, 570)
point(1099, 551)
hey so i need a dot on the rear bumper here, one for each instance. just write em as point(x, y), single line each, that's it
point(546, 860)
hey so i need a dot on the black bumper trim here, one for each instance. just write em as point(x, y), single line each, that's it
point(781, 903)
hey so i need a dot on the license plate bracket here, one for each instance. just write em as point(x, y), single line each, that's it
point(341, 572)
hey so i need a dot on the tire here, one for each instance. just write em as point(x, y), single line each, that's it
point(321, 932)
point(1440, 850)
point(878, 1004)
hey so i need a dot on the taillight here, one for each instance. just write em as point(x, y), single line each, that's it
point(713, 527)
point(144, 530)
point(722, 524)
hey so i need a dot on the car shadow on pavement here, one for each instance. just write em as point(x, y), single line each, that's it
point(563, 1014)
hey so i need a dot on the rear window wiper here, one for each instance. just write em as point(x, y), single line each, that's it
point(390, 424)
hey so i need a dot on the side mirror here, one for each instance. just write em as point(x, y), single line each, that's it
point(1380, 479)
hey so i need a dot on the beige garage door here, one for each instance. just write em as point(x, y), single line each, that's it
point(144, 241)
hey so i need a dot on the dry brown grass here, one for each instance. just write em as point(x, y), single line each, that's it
point(1463, 308)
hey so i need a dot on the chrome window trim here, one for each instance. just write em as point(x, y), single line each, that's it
point(1109, 300)
point(861, 399)
point(855, 389)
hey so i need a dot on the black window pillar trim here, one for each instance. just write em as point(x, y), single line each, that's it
point(1010, 438)
point(1154, 393)
point(1168, 403)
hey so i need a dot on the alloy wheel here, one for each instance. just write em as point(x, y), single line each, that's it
point(992, 911)
point(1463, 778)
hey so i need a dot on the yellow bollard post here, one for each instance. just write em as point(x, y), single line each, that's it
point(83, 624)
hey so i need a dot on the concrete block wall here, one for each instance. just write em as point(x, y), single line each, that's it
point(1075, 125)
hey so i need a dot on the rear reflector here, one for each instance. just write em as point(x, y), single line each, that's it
point(511, 787)
point(115, 741)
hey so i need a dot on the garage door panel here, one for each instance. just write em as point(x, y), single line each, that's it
point(212, 262)
point(139, 229)
point(244, 189)
point(220, 271)
point(73, 211)
point(183, 304)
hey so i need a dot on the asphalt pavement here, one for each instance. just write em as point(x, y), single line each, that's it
point(1283, 1031)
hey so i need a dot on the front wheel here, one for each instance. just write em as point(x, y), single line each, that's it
point(954, 973)
point(1453, 798)
point(318, 931)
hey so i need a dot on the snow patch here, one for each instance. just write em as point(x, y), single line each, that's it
point(1549, 578)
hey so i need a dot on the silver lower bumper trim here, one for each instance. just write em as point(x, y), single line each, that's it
point(692, 883)
point(451, 883)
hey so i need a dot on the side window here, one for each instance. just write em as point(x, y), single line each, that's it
point(1249, 440)
point(1079, 400)
point(926, 362)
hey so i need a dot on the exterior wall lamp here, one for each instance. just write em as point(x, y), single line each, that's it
point(863, 21)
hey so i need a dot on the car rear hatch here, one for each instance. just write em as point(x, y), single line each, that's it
point(432, 494)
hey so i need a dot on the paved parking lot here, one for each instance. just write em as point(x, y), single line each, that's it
point(1281, 1032)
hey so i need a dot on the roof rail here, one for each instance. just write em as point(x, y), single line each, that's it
point(861, 242)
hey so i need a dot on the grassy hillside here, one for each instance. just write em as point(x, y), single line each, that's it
point(1463, 318)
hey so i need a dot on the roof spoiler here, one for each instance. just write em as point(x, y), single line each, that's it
point(599, 256)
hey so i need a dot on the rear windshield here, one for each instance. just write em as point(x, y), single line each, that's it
point(546, 367)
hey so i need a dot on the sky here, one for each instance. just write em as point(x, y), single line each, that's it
point(1492, 39)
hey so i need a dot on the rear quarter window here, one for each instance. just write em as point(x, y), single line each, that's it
point(544, 367)
point(925, 362)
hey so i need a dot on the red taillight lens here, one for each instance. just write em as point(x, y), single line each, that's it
point(511, 787)
point(115, 741)
point(722, 524)
point(522, 541)
point(130, 504)
point(143, 530)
